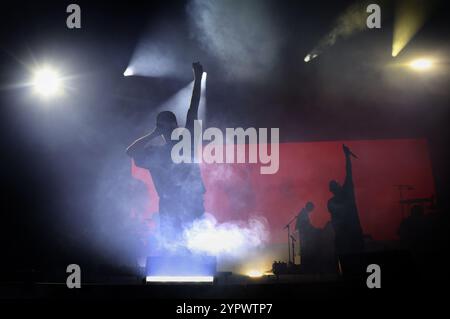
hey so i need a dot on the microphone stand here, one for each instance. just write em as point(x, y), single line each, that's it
point(293, 249)
point(288, 227)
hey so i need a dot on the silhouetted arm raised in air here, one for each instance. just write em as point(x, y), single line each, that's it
point(192, 113)
point(348, 183)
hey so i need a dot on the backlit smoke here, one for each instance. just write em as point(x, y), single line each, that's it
point(179, 102)
point(233, 239)
point(351, 21)
point(241, 34)
point(409, 18)
point(152, 60)
point(164, 51)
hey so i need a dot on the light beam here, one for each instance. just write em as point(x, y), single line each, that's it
point(202, 105)
point(410, 16)
point(180, 279)
point(255, 274)
point(128, 72)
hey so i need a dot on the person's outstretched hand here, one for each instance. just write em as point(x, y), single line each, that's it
point(198, 70)
point(346, 150)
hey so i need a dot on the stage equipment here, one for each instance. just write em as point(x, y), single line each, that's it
point(288, 227)
point(401, 188)
point(181, 268)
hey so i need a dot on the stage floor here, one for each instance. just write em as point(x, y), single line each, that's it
point(286, 287)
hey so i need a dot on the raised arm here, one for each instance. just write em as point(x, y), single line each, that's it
point(192, 113)
point(348, 183)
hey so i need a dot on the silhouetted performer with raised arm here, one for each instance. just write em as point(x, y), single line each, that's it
point(344, 214)
point(180, 187)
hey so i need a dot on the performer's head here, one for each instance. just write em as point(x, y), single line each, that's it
point(335, 188)
point(309, 207)
point(166, 122)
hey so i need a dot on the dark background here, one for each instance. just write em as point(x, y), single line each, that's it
point(53, 155)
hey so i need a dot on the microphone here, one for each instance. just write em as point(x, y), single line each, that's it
point(352, 154)
point(347, 150)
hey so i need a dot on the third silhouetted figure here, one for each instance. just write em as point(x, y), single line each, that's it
point(344, 213)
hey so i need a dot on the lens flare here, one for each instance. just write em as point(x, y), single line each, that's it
point(255, 273)
point(421, 64)
point(47, 82)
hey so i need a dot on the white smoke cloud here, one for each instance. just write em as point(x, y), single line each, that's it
point(352, 20)
point(230, 239)
point(163, 51)
point(154, 59)
point(239, 33)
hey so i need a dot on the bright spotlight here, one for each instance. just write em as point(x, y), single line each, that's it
point(421, 64)
point(47, 82)
point(128, 72)
point(309, 57)
point(202, 106)
point(255, 274)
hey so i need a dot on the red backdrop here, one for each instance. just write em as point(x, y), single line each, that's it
point(239, 191)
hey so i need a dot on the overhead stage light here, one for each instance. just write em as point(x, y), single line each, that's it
point(421, 64)
point(309, 57)
point(128, 72)
point(47, 82)
point(410, 16)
